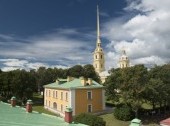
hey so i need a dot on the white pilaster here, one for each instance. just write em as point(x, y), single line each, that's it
point(103, 99)
point(72, 100)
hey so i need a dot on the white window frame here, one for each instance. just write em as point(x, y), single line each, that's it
point(88, 108)
point(49, 95)
point(53, 94)
point(56, 94)
point(61, 108)
point(66, 96)
point(88, 95)
point(61, 97)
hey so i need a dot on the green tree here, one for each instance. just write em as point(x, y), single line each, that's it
point(127, 85)
point(153, 89)
point(89, 72)
point(89, 119)
point(22, 84)
point(76, 71)
point(123, 112)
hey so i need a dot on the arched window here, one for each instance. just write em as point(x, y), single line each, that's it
point(55, 105)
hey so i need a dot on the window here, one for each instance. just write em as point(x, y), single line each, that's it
point(66, 96)
point(56, 94)
point(61, 108)
point(89, 108)
point(101, 56)
point(61, 95)
point(49, 93)
point(89, 95)
point(46, 93)
point(53, 94)
point(49, 103)
point(55, 105)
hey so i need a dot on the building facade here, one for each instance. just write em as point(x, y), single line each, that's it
point(82, 95)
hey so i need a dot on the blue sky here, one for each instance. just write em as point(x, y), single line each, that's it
point(62, 33)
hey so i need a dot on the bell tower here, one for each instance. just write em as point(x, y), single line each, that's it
point(98, 55)
point(124, 60)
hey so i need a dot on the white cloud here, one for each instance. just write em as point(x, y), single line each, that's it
point(49, 47)
point(13, 64)
point(145, 36)
point(9, 68)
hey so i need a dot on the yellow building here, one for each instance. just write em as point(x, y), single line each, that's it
point(124, 60)
point(82, 95)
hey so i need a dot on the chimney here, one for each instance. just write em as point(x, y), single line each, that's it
point(13, 101)
point(90, 81)
point(29, 106)
point(83, 81)
point(69, 78)
point(57, 81)
point(68, 115)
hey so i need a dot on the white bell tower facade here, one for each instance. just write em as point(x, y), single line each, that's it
point(98, 55)
point(124, 60)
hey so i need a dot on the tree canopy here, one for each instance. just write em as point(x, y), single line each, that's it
point(23, 83)
point(137, 84)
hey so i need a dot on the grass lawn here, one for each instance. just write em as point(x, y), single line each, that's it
point(41, 109)
point(111, 121)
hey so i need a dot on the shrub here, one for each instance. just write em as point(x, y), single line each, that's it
point(89, 119)
point(123, 112)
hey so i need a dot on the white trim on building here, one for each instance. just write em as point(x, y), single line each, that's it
point(89, 98)
point(71, 97)
point(103, 99)
point(91, 108)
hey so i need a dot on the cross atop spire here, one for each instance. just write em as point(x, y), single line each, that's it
point(98, 42)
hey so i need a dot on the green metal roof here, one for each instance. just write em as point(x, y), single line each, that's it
point(74, 84)
point(17, 116)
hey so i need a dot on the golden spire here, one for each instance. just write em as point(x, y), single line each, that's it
point(98, 29)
